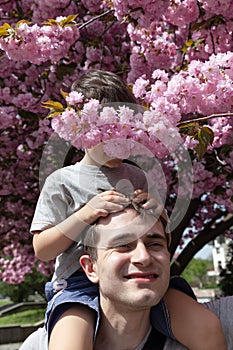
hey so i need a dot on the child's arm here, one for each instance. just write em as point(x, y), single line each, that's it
point(48, 244)
point(74, 329)
point(192, 324)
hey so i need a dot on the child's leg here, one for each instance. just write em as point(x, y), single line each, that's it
point(192, 324)
point(74, 330)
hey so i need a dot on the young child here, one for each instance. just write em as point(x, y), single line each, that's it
point(74, 197)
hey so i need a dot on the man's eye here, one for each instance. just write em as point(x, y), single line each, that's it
point(122, 246)
point(156, 245)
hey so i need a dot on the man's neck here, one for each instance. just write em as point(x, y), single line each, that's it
point(122, 330)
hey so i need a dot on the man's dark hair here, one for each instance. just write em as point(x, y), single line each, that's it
point(104, 86)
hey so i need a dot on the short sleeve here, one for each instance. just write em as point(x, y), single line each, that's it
point(223, 308)
point(53, 203)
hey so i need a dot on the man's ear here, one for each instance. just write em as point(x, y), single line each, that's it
point(89, 268)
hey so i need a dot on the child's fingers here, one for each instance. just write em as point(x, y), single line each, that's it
point(138, 191)
point(151, 203)
point(108, 201)
point(113, 196)
point(104, 208)
point(140, 196)
point(147, 201)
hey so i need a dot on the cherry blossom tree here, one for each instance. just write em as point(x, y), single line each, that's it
point(176, 55)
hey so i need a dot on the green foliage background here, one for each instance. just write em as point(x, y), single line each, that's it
point(196, 272)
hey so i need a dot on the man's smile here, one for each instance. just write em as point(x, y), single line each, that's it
point(148, 276)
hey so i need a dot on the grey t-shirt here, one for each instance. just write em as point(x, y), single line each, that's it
point(222, 307)
point(69, 188)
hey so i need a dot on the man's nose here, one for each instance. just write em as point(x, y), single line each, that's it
point(140, 254)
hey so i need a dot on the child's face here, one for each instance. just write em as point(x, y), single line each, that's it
point(97, 156)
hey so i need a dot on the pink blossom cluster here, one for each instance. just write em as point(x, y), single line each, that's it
point(39, 10)
point(214, 7)
point(223, 131)
point(38, 44)
point(205, 88)
point(42, 9)
point(218, 40)
point(204, 180)
point(152, 48)
point(15, 269)
point(7, 117)
point(110, 53)
point(93, 5)
point(144, 11)
point(182, 12)
point(17, 191)
point(175, 41)
point(94, 124)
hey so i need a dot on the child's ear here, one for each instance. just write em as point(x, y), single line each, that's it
point(89, 268)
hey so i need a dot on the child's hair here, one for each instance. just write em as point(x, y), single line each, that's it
point(104, 86)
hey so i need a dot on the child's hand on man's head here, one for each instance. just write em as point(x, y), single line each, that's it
point(106, 202)
point(146, 200)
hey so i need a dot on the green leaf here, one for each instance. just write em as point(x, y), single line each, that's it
point(20, 22)
point(206, 135)
point(53, 105)
point(64, 93)
point(200, 150)
point(187, 125)
point(200, 41)
point(189, 128)
point(51, 22)
point(69, 20)
point(5, 30)
point(52, 115)
point(189, 43)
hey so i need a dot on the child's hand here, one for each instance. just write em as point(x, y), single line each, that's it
point(147, 201)
point(104, 203)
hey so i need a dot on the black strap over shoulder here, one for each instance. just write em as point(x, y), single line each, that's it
point(155, 341)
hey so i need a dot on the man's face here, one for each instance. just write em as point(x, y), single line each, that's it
point(133, 262)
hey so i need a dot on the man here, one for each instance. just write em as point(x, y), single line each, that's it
point(128, 257)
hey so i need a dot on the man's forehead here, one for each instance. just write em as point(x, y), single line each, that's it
point(130, 227)
point(129, 217)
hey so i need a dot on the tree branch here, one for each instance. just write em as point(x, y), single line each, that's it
point(95, 18)
point(205, 118)
point(207, 235)
point(179, 230)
